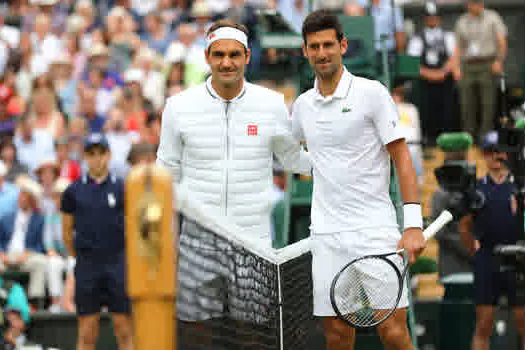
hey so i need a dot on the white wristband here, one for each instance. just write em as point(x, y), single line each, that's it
point(412, 216)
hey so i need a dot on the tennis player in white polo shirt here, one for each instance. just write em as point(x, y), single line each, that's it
point(351, 128)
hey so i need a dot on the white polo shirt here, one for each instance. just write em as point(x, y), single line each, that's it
point(346, 134)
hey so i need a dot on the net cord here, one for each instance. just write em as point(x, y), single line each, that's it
point(230, 232)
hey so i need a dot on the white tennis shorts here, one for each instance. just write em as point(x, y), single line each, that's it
point(331, 252)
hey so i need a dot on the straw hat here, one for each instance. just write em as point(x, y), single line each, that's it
point(26, 184)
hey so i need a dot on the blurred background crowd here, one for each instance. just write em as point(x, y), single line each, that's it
point(70, 68)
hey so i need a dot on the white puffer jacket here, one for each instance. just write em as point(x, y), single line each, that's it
point(220, 152)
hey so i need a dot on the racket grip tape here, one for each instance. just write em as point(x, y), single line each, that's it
point(444, 218)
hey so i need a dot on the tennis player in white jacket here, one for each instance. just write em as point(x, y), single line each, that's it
point(218, 140)
point(218, 137)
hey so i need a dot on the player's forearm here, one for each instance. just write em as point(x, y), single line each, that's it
point(293, 157)
point(67, 233)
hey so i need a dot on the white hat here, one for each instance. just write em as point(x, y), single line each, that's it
point(43, 2)
point(134, 75)
point(30, 186)
point(75, 23)
point(48, 162)
point(62, 58)
point(60, 185)
point(99, 49)
point(3, 169)
point(176, 52)
point(200, 9)
point(117, 11)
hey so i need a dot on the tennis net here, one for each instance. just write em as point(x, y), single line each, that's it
point(236, 292)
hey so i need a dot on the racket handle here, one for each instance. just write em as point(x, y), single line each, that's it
point(444, 218)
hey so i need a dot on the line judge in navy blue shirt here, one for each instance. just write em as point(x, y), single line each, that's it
point(93, 208)
point(496, 223)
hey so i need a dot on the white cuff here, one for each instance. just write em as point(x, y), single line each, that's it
point(412, 216)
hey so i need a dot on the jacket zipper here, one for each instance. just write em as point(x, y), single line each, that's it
point(225, 189)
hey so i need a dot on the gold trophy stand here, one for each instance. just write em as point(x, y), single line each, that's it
point(151, 257)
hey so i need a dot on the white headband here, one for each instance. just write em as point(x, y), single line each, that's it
point(227, 33)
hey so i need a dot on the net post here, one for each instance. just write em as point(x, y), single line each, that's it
point(151, 257)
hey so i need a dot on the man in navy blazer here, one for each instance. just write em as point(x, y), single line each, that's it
point(21, 239)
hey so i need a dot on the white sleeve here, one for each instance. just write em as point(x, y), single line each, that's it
point(287, 147)
point(450, 43)
point(415, 46)
point(385, 116)
point(169, 154)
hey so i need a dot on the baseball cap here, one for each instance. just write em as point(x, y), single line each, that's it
point(431, 9)
point(95, 139)
point(490, 141)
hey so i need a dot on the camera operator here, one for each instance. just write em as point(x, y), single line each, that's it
point(494, 224)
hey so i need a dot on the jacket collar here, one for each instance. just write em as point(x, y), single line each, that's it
point(215, 95)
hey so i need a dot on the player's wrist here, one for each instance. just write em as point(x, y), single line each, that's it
point(412, 216)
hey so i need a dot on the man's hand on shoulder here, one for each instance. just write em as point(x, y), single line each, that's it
point(413, 242)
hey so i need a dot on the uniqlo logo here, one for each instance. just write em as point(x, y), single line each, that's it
point(252, 130)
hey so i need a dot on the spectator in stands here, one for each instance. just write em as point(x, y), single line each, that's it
point(196, 67)
point(7, 122)
point(294, 12)
point(78, 129)
point(65, 85)
point(453, 255)
point(45, 44)
point(47, 173)
point(8, 155)
point(353, 9)
point(16, 313)
point(120, 141)
point(76, 57)
point(21, 239)
point(133, 102)
point(390, 22)
point(99, 58)
point(88, 111)
point(96, 214)
point(32, 145)
point(480, 54)
point(494, 224)
point(54, 246)
point(157, 36)
point(153, 81)
point(69, 169)
point(410, 127)
point(44, 113)
point(105, 98)
point(435, 47)
point(175, 57)
point(8, 194)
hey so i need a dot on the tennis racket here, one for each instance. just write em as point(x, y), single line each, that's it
point(368, 289)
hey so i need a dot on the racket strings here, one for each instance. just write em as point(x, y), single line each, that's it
point(367, 291)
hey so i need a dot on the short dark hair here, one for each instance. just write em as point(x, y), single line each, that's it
point(322, 19)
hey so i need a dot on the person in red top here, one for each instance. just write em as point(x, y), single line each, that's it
point(69, 169)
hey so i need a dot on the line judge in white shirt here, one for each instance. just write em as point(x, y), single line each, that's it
point(350, 125)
